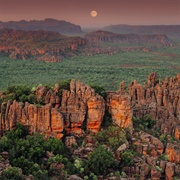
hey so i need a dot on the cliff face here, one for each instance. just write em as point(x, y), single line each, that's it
point(104, 36)
point(80, 109)
point(120, 109)
point(49, 24)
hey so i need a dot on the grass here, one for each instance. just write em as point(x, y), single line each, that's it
point(107, 71)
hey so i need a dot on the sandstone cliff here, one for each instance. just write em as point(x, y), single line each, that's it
point(79, 109)
point(119, 106)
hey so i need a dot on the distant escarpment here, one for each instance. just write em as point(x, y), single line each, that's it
point(49, 24)
point(40, 45)
point(51, 46)
point(104, 36)
point(169, 30)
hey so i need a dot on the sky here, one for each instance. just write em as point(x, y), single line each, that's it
point(109, 12)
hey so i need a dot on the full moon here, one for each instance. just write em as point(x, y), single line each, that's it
point(93, 13)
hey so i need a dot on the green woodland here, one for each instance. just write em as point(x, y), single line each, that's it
point(48, 158)
point(105, 70)
point(29, 152)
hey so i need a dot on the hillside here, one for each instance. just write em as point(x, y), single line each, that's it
point(135, 130)
point(49, 24)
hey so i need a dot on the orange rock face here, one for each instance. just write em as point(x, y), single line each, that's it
point(169, 171)
point(173, 152)
point(45, 119)
point(119, 106)
point(96, 107)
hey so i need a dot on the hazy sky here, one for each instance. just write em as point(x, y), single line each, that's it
point(134, 12)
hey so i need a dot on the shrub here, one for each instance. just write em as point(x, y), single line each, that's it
point(68, 166)
point(164, 157)
point(18, 93)
point(64, 84)
point(112, 136)
point(143, 124)
point(11, 173)
point(100, 160)
point(126, 158)
point(99, 90)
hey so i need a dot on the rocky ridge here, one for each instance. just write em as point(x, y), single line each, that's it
point(80, 110)
point(80, 104)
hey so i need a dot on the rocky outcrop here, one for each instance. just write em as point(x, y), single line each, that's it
point(161, 100)
point(81, 106)
point(79, 109)
point(48, 24)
